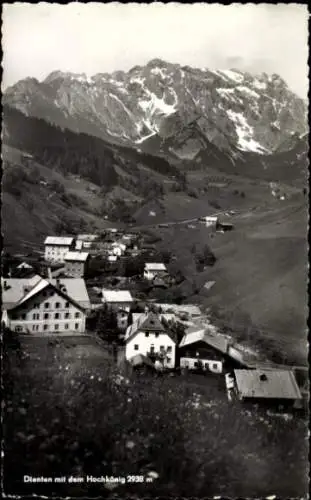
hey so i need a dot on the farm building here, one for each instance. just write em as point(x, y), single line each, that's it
point(76, 264)
point(200, 349)
point(56, 248)
point(154, 270)
point(148, 336)
point(269, 388)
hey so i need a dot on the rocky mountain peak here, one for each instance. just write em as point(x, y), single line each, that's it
point(254, 113)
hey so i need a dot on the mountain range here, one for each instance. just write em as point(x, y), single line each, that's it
point(170, 110)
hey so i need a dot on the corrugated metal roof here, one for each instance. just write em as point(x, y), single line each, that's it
point(59, 240)
point(117, 296)
point(279, 384)
point(77, 256)
point(155, 266)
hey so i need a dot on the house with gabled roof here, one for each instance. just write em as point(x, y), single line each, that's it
point(149, 336)
point(272, 388)
point(200, 349)
point(56, 247)
point(44, 306)
point(76, 264)
point(154, 270)
point(120, 302)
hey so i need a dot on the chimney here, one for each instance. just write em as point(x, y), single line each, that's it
point(49, 273)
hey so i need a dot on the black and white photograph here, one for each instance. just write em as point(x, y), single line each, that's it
point(154, 266)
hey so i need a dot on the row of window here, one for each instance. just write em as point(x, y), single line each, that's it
point(156, 334)
point(47, 305)
point(162, 348)
point(196, 364)
point(36, 316)
point(35, 328)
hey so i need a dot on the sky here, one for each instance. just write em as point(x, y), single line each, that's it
point(97, 38)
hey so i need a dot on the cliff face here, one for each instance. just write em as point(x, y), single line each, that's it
point(232, 110)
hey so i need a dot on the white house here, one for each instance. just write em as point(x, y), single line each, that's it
point(154, 270)
point(209, 220)
point(56, 247)
point(112, 258)
point(120, 302)
point(44, 306)
point(118, 249)
point(85, 241)
point(147, 335)
point(76, 264)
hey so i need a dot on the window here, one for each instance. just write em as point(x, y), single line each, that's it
point(46, 305)
point(169, 348)
point(147, 334)
point(67, 304)
point(33, 327)
point(161, 347)
point(34, 316)
point(77, 315)
point(206, 365)
point(168, 359)
point(66, 326)
point(157, 334)
point(195, 364)
point(56, 327)
point(215, 366)
point(136, 347)
point(46, 316)
point(18, 328)
point(36, 306)
point(23, 316)
point(57, 305)
point(56, 315)
point(76, 326)
point(44, 294)
point(51, 293)
point(152, 348)
point(67, 315)
point(45, 327)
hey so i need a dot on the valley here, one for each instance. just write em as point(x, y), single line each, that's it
point(155, 251)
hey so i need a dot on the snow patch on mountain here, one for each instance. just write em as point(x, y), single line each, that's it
point(158, 71)
point(156, 104)
point(122, 103)
point(245, 133)
point(248, 91)
point(232, 75)
point(229, 94)
point(142, 139)
point(259, 84)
